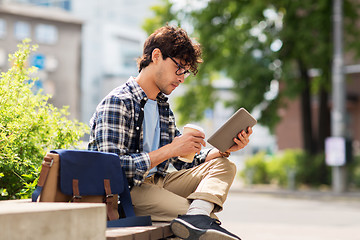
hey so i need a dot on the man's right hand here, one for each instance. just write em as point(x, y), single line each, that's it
point(183, 145)
point(188, 143)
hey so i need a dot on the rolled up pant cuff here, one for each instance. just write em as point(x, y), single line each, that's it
point(207, 197)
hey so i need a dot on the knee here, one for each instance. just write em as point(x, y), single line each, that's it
point(232, 167)
point(227, 166)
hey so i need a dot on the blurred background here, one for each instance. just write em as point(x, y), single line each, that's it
point(274, 58)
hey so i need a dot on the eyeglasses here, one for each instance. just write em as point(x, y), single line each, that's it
point(181, 70)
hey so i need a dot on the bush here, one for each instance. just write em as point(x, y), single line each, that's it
point(255, 171)
point(354, 172)
point(312, 170)
point(29, 127)
point(283, 165)
point(288, 168)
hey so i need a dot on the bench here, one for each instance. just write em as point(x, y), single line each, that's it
point(159, 230)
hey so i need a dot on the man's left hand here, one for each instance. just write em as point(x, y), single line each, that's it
point(241, 141)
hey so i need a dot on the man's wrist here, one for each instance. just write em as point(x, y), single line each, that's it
point(224, 154)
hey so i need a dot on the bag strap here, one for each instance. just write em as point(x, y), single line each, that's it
point(139, 123)
point(46, 165)
point(76, 193)
point(110, 200)
point(125, 198)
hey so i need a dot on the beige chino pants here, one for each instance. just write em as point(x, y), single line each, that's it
point(164, 198)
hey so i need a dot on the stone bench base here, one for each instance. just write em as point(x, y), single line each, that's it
point(22, 219)
point(57, 221)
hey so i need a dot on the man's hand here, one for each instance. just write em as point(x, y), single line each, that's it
point(188, 143)
point(183, 145)
point(241, 141)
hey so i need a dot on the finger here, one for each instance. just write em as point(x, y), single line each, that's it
point(250, 131)
point(197, 140)
point(242, 135)
point(243, 138)
point(197, 148)
point(246, 135)
point(198, 134)
point(246, 139)
point(195, 134)
point(239, 142)
point(203, 143)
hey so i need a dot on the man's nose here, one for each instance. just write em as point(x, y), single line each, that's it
point(181, 78)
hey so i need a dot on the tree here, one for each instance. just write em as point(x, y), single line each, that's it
point(258, 44)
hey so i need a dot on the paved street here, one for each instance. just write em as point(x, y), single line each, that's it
point(254, 216)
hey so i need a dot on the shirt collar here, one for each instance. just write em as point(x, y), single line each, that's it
point(136, 90)
point(139, 93)
point(161, 97)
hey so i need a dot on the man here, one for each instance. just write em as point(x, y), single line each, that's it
point(136, 122)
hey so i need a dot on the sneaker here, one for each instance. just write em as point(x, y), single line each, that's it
point(202, 227)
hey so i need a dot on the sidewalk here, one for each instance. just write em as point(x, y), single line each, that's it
point(275, 216)
point(239, 187)
point(269, 213)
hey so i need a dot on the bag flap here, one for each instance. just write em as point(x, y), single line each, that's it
point(90, 168)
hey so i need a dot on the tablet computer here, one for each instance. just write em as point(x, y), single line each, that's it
point(223, 138)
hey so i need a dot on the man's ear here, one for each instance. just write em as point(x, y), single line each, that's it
point(156, 55)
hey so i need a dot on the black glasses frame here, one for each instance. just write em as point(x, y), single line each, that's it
point(185, 72)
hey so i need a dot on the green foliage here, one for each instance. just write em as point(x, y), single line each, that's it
point(162, 15)
point(354, 172)
point(231, 45)
point(312, 170)
point(306, 169)
point(255, 171)
point(29, 126)
point(282, 165)
point(198, 97)
point(238, 39)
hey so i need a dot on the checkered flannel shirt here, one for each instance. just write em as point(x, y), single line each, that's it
point(116, 127)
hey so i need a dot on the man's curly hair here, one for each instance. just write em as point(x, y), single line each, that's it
point(173, 42)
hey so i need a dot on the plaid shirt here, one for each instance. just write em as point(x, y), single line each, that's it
point(116, 127)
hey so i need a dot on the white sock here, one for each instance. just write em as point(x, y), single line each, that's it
point(200, 207)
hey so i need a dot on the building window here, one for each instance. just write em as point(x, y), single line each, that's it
point(128, 53)
point(22, 30)
point(67, 5)
point(3, 57)
point(64, 4)
point(2, 28)
point(46, 33)
point(40, 3)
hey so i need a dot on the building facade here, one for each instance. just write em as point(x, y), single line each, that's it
point(289, 132)
point(58, 35)
point(110, 41)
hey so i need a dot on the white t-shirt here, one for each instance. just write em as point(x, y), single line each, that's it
point(151, 126)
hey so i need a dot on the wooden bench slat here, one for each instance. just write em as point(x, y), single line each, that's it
point(158, 230)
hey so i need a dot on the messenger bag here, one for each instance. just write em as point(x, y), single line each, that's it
point(88, 176)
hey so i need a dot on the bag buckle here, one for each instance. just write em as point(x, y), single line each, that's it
point(75, 197)
point(47, 162)
point(107, 197)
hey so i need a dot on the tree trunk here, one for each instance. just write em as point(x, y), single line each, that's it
point(306, 114)
point(324, 128)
